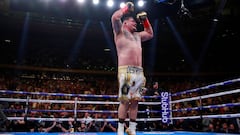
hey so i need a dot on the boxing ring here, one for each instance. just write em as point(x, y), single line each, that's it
point(106, 133)
point(176, 110)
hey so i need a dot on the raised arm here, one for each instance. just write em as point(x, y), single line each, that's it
point(147, 33)
point(117, 15)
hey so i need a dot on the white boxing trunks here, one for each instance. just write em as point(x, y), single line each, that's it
point(131, 83)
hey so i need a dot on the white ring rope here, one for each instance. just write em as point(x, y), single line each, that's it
point(207, 87)
point(139, 119)
point(207, 96)
point(78, 119)
point(97, 102)
point(235, 115)
point(208, 106)
point(75, 102)
point(64, 94)
point(70, 101)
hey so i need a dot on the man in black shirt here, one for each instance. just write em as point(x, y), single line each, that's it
point(3, 117)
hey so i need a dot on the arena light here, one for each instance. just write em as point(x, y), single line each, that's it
point(110, 3)
point(140, 3)
point(80, 1)
point(122, 4)
point(95, 2)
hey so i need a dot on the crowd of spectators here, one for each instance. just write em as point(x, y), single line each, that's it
point(107, 85)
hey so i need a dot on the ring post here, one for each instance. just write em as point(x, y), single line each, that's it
point(26, 108)
point(75, 113)
point(201, 108)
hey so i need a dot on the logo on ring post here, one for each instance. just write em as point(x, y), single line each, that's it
point(165, 107)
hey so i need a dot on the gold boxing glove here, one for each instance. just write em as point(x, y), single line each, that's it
point(129, 7)
point(142, 16)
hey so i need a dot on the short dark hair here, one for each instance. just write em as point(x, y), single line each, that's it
point(128, 16)
point(155, 82)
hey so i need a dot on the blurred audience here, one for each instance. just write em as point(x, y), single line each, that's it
point(52, 82)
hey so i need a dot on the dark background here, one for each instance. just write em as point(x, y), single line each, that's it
point(36, 33)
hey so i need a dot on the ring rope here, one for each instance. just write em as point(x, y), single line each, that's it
point(235, 115)
point(114, 96)
point(153, 111)
point(64, 94)
point(150, 103)
point(207, 107)
point(69, 101)
point(78, 119)
point(207, 87)
point(139, 119)
point(57, 94)
point(81, 111)
point(207, 96)
point(97, 102)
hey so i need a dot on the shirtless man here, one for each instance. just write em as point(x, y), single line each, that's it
point(130, 72)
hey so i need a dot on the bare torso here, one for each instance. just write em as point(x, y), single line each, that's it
point(129, 49)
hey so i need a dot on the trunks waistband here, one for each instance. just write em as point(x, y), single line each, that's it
point(130, 69)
